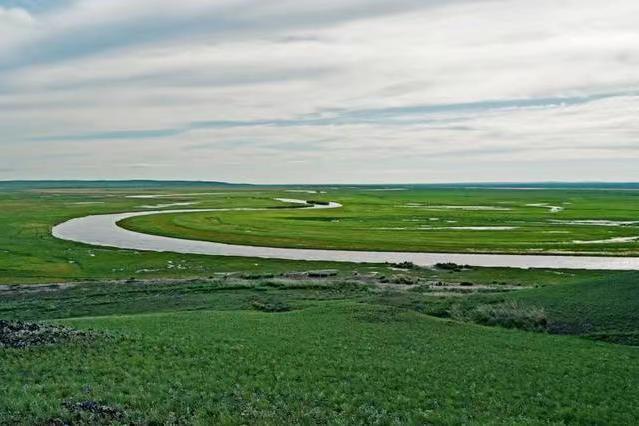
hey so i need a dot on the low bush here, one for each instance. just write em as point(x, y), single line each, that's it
point(270, 306)
point(450, 266)
point(256, 276)
point(404, 279)
point(510, 315)
point(403, 265)
point(322, 274)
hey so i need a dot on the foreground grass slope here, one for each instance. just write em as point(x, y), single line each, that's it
point(336, 362)
point(600, 308)
point(329, 350)
point(606, 309)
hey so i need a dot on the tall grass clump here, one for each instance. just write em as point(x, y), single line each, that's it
point(511, 314)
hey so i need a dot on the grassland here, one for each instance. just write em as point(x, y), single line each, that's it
point(181, 339)
point(200, 353)
point(430, 220)
point(604, 308)
point(29, 254)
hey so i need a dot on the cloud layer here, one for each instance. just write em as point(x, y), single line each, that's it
point(309, 91)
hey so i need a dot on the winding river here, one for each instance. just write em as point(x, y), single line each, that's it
point(102, 230)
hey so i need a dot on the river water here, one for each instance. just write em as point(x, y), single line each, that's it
point(102, 230)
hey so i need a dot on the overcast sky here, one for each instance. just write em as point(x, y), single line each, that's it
point(321, 91)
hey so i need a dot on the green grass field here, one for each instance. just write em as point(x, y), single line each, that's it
point(336, 357)
point(29, 254)
point(431, 220)
point(606, 309)
point(185, 339)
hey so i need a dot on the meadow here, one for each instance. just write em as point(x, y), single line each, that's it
point(29, 254)
point(430, 220)
point(165, 338)
point(339, 352)
point(370, 220)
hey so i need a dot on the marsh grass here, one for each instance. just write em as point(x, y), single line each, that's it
point(385, 221)
point(510, 315)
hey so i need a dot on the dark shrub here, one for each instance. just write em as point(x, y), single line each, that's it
point(404, 279)
point(511, 315)
point(270, 306)
point(322, 274)
point(450, 266)
point(403, 265)
point(18, 334)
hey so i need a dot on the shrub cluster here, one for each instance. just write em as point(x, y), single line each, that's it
point(403, 265)
point(450, 266)
point(404, 279)
point(511, 315)
point(271, 306)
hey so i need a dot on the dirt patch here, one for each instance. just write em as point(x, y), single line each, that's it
point(96, 408)
point(90, 412)
point(33, 288)
point(18, 334)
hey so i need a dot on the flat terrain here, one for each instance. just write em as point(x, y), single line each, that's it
point(93, 335)
point(428, 220)
point(29, 254)
point(370, 220)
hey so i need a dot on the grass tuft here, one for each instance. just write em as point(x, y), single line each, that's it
point(511, 315)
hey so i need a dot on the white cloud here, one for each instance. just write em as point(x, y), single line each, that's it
point(15, 23)
point(98, 67)
point(14, 17)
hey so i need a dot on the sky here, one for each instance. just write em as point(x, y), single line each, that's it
point(330, 91)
